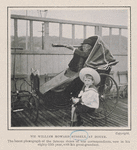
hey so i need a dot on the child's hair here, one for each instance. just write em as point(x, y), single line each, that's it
point(89, 76)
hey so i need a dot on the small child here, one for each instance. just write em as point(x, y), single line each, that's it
point(88, 98)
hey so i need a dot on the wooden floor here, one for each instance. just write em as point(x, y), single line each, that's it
point(61, 118)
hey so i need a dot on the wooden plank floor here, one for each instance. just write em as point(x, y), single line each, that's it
point(61, 118)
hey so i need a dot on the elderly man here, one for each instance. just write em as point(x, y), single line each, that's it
point(80, 54)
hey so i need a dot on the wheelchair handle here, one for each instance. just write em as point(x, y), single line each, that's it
point(63, 45)
point(59, 45)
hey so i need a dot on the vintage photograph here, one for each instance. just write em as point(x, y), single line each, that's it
point(69, 67)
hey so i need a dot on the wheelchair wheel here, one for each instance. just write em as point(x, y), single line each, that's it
point(31, 108)
point(108, 97)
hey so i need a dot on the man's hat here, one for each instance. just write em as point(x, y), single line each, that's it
point(90, 71)
point(89, 41)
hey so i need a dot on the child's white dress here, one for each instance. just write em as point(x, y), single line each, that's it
point(90, 97)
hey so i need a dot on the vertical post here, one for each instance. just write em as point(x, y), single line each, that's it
point(60, 33)
point(120, 40)
point(42, 36)
point(15, 33)
point(98, 30)
point(84, 34)
point(110, 37)
point(26, 32)
point(46, 35)
point(31, 35)
point(73, 33)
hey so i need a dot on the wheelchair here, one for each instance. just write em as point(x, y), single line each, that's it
point(57, 92)
point(67, 84)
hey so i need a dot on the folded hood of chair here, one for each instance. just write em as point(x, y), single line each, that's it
point(100, 54)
